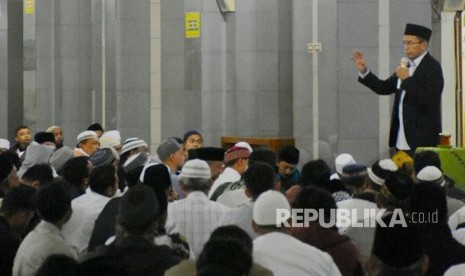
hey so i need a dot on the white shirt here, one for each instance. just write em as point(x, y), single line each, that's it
point(361, 206)
point(228, 175)
point(233, 198)
point(402, 143)
point(78, 229)
point(456, 218)
point(242, 217)
point(362, 237)
point(285, 255)
point(459, 235)
point(194, 217)
point(175, 184)
point(455, 270)
point(40, 243)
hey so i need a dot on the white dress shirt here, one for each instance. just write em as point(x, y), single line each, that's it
point(175, 184)
point(40, 243)
point(402, 143)
point(285, 255)
point(242, 217)
point(194, 217)
point(228, 175)
point(78, 229)
point(233, 198)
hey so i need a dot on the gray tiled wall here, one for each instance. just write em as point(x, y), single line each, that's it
point(11, 64)
point(358, 116)
point(57, 84)
point(242, 64)
point(64, 83)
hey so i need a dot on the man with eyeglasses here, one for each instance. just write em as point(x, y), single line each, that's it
point(417, 84)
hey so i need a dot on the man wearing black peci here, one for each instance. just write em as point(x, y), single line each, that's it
point(417, 84)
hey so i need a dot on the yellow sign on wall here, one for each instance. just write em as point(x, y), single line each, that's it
point(192, 25)
point(29, 6)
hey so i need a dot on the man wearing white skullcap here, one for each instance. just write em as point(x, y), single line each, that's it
point(378, 172)
point(58, 133)
point(278, 251)
point(111, 139)
point(341, 161)
point(86, 143)
point(195, 216)
point(434, 175)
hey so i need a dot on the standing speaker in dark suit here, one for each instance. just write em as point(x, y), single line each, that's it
point(417, 85)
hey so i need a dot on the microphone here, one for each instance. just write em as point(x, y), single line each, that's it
point(403, 63)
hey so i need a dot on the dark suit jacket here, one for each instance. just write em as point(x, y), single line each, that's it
point(421, 106)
